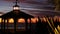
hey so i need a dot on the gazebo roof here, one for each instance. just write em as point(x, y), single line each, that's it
point(20, 14)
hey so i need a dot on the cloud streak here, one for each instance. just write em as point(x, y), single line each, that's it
point(33, 7)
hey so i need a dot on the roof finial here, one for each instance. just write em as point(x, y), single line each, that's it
point(16, 6)
point(16, 2)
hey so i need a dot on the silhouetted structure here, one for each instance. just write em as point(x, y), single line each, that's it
point(42, 27)
point(15, 14)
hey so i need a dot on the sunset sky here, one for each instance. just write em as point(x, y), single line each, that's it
point(32, 7)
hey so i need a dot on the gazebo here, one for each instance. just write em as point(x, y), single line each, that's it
point(15, 17)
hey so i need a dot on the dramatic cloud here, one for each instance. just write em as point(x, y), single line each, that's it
point(14, 0)
point(32, 7)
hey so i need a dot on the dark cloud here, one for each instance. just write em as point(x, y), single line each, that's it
point(25, 1)
point(14, 0)
point(34, 2)
point(34, 7)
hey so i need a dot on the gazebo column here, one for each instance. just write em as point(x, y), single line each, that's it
point(30, 25)
point(26, 27)
point(7, 24)
point(15, 20)
point(2, 24)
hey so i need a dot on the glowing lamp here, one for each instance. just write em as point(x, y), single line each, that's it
point(16, 8)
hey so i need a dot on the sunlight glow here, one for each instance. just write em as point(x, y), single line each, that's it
point(34, 20)
point(28, 20)
point(59, 19)
point(6, 21)
point(58, 27)
point(0, 20)
point(11, 20)
point(55, 18)
point(21, 20)
point(44, 19)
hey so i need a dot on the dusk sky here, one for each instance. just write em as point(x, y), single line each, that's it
point(32, 7)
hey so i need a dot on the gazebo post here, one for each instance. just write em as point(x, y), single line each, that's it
point(30, 25)
point(4, 25)
point(26, 25)
point(38, 26)
point(7, 24)
point(15, 25)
